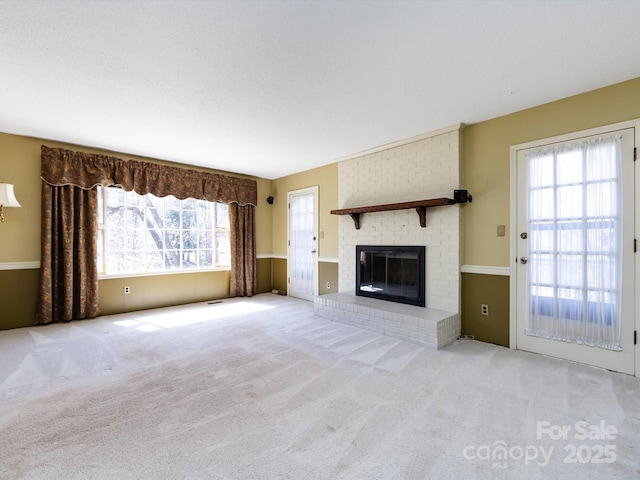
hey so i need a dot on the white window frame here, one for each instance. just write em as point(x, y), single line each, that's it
point(103, 230)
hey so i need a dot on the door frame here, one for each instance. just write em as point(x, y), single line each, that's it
point(316, 216)
point(513, 230)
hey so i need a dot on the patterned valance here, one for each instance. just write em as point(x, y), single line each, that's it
point(87, 170)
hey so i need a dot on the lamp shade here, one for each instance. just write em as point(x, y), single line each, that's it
point(7, 198)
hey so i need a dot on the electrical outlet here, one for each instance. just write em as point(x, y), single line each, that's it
point(127, 290)
point(328, 285)
point(484, 309)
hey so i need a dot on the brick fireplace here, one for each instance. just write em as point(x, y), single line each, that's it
point(420, 168)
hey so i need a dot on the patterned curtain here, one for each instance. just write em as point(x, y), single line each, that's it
point(87, 170)
point(68, 272)
point(243, 250)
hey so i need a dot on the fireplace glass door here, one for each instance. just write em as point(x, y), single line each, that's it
point(391, 273)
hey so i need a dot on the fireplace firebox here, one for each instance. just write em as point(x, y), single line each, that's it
point(393, 273)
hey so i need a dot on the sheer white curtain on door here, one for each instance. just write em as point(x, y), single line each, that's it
point(302, 243)
point(575, 225)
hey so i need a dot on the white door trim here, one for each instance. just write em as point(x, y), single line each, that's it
point(513, 234)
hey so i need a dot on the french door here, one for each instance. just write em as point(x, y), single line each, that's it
point(573, 248)
point(302, 256)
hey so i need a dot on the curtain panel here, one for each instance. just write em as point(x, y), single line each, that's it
point(68, 288)
point(243, 281)
point(68, 271)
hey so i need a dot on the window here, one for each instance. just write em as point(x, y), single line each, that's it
point(146, 234)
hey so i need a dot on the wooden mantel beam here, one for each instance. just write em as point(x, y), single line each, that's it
point(420, 206)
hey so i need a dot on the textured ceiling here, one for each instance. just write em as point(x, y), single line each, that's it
point(273, 88)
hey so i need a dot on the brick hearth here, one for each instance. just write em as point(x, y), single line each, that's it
point(424, 326)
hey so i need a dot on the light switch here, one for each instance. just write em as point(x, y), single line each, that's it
point(501, 230)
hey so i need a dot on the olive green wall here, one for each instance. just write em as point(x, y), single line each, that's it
point(161, 291)
point(327, 272)
point(264, 268)
point(20, 165)
point(18, 293)
point(279, 266)
point(20, 244)
point(486, 166)
point(491, 290)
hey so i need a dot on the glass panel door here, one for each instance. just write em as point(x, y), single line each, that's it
point(575, 278)
point(303, 244)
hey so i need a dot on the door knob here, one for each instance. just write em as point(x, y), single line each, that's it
point(524, 260)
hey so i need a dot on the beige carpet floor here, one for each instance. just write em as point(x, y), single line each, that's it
point(261, 388)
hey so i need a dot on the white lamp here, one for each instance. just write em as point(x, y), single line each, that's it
point(7, 198)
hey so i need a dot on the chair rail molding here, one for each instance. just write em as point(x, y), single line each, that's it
point(19, 265)
point(486, 270)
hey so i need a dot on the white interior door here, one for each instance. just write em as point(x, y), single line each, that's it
point(574, 249)
point(302, 258)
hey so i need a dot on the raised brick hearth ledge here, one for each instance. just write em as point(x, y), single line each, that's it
point(424, 326)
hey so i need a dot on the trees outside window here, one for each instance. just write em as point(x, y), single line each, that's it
point(146, 234)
